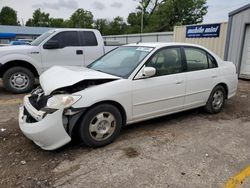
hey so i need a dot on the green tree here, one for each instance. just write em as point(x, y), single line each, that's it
point(102, 25)
point(82, 19)
point(56, 22)
point(67, 24)
point(117, 26)
point(147, 7)
point(177, 12)
point(40, 19)
point(8, 16)
point(134, 21)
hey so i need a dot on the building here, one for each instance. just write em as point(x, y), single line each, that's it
point(8, 33)
point(211, 36)
point(141, 37)
point(237, 48)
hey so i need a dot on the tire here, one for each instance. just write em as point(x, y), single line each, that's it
point(100, 125)
point(216, 100)
point(18, 80)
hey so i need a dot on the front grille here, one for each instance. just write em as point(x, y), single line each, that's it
point(29, 118)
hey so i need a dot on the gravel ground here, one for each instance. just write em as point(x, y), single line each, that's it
point(188, 149)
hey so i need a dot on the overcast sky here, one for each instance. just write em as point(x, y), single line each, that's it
point(217, 12)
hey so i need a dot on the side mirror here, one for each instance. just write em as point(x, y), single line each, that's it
point(148, 72)
point(52, 44)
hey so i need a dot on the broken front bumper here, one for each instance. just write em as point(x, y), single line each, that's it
point(46, 131)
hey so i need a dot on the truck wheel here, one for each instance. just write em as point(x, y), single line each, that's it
point(100, 125)
point(18, 80)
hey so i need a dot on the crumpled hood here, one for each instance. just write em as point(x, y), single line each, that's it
point(62, 76)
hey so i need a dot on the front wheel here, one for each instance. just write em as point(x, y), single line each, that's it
point(216, 100)
point(100, 125)
point(18, 80)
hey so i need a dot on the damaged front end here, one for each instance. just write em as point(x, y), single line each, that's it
point(63, 98)
point(49, 104)
point(49, 120)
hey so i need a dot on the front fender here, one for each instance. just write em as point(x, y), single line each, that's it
point(36, 62)
point(117, 91)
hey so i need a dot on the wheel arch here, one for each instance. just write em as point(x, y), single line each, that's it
point(224, 85)
point(18, 63)
point(117, 105)
point(73, 129)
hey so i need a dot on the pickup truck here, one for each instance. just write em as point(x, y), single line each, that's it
point(20, 65)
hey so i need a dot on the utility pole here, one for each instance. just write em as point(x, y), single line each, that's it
point(142, 14)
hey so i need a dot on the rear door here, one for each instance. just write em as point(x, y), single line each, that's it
point(69, 53)
point(202, 75)
point(92, 48)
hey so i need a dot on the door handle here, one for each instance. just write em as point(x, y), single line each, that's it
point(79, 52)
point(214, 76)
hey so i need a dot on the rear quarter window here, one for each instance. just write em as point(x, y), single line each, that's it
point(88, 38)
point(211, 61)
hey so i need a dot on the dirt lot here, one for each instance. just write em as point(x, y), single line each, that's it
point(190, 149)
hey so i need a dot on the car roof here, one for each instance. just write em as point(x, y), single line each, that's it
point(162, 44)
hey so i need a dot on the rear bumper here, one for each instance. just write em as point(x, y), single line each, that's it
point(48, 132)
point(232, 84)
point(232, 93)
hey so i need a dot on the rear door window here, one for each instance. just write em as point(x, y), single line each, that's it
point(88, 38)
point(196, 59)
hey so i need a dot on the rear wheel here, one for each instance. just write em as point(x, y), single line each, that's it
point(216, 100)
point(18, 80)
point(100, 125)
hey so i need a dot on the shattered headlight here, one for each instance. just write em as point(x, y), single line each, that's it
point(62, 101)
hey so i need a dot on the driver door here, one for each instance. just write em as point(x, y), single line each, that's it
point(69, 53)
point(163, 93)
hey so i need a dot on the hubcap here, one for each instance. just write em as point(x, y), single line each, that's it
point(217, 100)
point(102, 126)
point(19, 80)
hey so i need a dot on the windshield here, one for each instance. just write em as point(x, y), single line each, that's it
point(121, 61)
point(41, 38)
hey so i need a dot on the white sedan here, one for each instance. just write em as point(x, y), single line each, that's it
point(132, 83)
